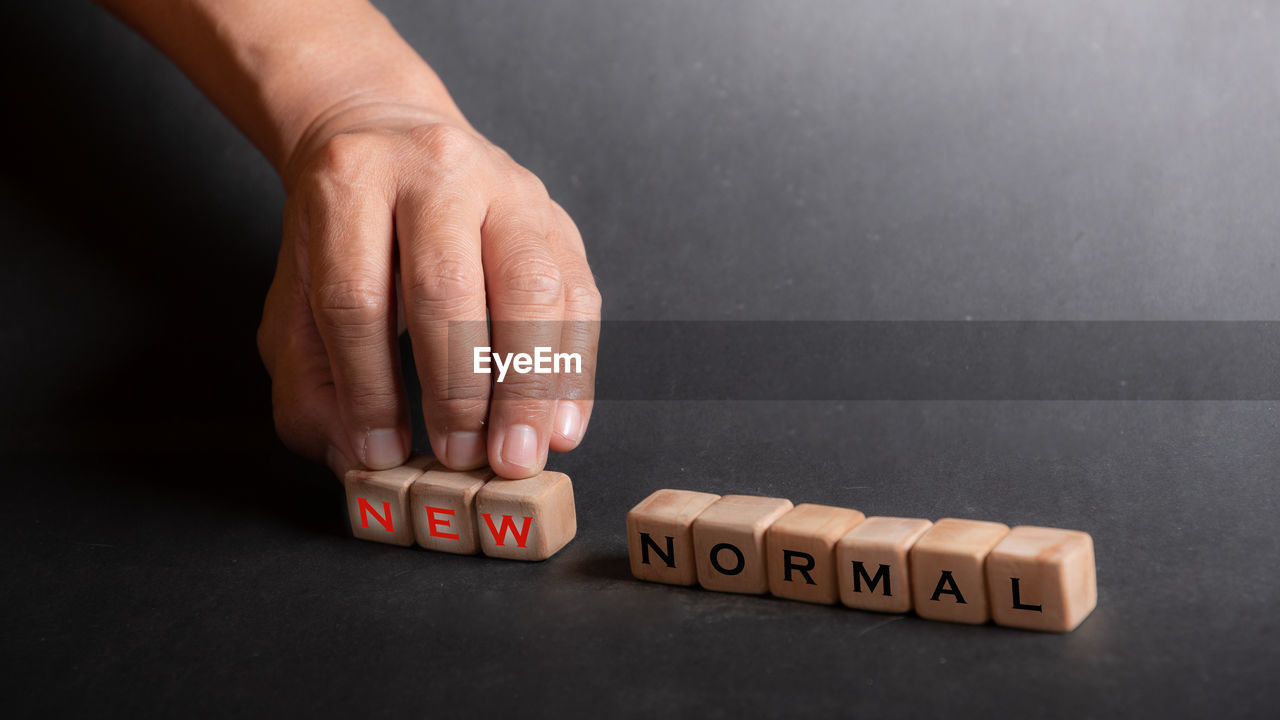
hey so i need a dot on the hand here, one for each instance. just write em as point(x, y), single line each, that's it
point(374, 186)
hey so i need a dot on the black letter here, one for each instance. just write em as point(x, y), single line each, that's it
point(715, 560)
point(946, 580)
point(860, 574)
point(788, 565)
point(1017, 599)
point(668, 557)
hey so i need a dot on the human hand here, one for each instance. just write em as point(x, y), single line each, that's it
point(384, 193)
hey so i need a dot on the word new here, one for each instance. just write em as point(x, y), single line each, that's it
point(966, 571)
point(466, 513)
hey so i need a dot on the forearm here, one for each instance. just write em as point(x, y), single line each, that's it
point(279, 68)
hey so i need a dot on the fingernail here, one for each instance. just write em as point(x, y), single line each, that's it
point(464, 450)
point(520, 447)
point(569, 421)
point(383, 449)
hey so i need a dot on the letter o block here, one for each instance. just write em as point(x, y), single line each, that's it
point(528, 519)
point(443, 506)
point(801, 547)
point(948, 578)
point(660, 536)
point(871, 562)
point(729, 542)
point(1042, 579)
point(378, 501)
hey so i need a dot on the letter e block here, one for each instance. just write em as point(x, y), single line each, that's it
point(729, 542)
point(444, 509)
point(1042, 579)
point(801, 549)
point(660, 536)
point(528, 519)
point(948, 578)
point(871, 562)
point(378, 501)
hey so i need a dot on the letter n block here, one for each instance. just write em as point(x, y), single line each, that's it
point(1042, 579)
point(871, 560)
point(378, 501)
point(801, 549)
point(660, 536)
point(528, 519)
point(948, 578)
point(444, 509)
point(729, 542)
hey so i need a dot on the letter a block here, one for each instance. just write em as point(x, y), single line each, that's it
point(378, 501)
point(660, 536)
point(871, 560)
point(728, 542)
point(528, 519)
point(1042, 579)
point(801, 547)
point(444, 509)
point(948, 578)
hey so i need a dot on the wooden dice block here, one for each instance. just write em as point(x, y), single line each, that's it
point(948, 578)
point(443, 506)
point(528, 519)
point(378, 501)
point(872, 563)
point(729, 542)
point(1042, 579)
point(660, 536)
point(801, 551)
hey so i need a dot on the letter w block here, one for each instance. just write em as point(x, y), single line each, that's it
point(528, 519)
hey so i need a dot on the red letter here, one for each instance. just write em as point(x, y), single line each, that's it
point(433, 521)
point(522, 535)
point(366, 511)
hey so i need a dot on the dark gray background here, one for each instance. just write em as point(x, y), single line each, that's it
point(928, 160)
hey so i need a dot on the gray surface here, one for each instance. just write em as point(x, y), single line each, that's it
point(926, 160)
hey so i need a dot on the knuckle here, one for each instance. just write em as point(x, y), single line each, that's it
point(351, 303)
point(446, 144)
point(532, 279)
point(447, 284)
point(345, 159)
point(584, 297)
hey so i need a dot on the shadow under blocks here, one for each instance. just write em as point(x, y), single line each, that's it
point(966, 571)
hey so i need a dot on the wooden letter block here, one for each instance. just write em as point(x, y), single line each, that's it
point(660, 536)
point(528, 519)
point(728, 542)
point(801, 547)
point(948, 578)
point(871, 560)
point(443, 503)
point(378, 501)
point(1042, 579)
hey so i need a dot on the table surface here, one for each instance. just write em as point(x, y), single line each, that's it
point(726, 161)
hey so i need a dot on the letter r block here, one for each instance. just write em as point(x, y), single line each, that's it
point(1042, 579)
point(528, 519)
point(729, 542)
point(948, 578)
point(871, 561)
point(660, 536)
point(443, 506)
point(378, 501)
point(801, 550)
